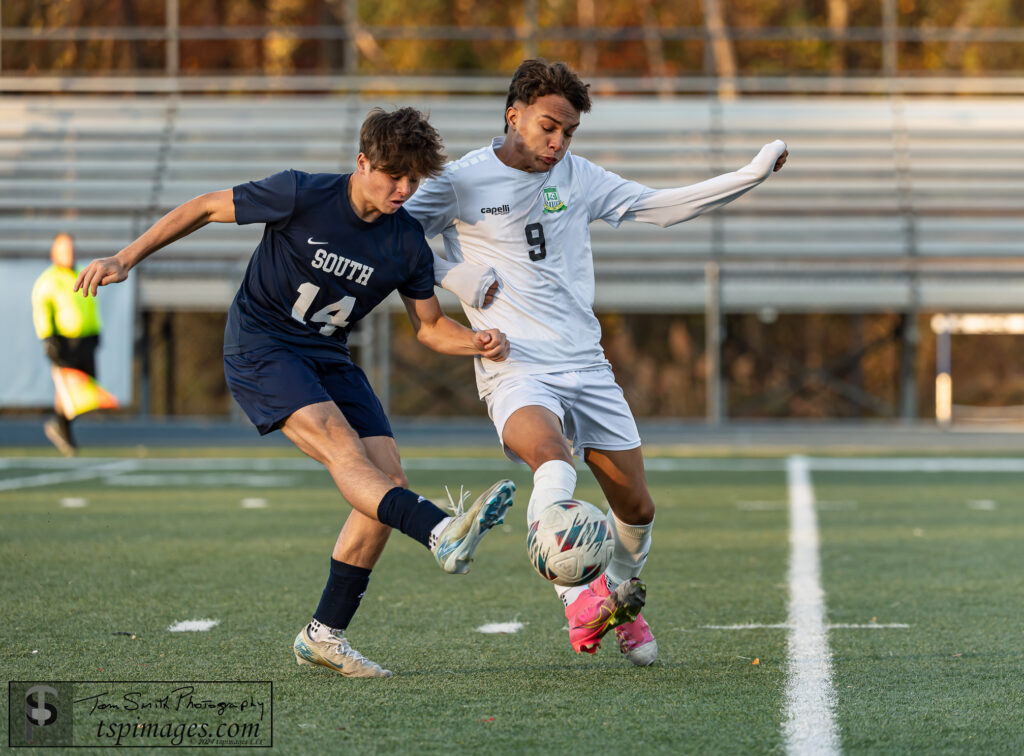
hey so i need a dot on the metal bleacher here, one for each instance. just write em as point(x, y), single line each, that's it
point(888, 203)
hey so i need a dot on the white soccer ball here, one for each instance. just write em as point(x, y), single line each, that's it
point(570, 543)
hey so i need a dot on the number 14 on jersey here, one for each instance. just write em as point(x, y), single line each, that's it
point(335, 315)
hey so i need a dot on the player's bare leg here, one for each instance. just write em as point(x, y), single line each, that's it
point(535, 434)
point(623, 480)
point(358, 547)
point(321, 431)
point(624, 483)
point(362, 539)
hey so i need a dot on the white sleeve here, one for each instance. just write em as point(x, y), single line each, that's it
point(435, 205)
point(608, 195)
point(666, 207)
point(468, 281)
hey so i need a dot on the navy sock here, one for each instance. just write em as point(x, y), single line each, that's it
point(345, 587)
point(409, 513)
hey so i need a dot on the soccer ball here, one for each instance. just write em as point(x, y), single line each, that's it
point(570, 543)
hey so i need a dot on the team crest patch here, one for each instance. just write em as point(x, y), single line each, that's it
point(552, 202)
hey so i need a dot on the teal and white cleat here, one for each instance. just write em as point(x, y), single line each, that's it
point(455, 546)
point(335, 653)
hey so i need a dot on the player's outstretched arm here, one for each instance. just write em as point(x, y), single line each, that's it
point(442, 334)
point(666, 207)
point(475, 285)
point(216, 207)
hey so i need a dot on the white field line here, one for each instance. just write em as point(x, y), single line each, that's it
point(85, 472)
point(696, 464)
point(500, 628)
point(760, 506)
point(160, 464)
point(982, 505)
point(193, 626)
point(809, 726)
point(659, 464)
point(206, 480)
point(59, 471)
point(918, 464)
point(272, 464)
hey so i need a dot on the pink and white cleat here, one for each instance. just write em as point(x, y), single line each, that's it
point(635, 638)
point(591, 615)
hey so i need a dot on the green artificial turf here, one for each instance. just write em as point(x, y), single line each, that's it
point(163, 543)
point(943, 553)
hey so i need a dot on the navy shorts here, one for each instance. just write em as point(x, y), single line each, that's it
point(273, 382)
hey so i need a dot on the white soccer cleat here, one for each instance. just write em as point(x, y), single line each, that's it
point(335, 653)
point(456, 543)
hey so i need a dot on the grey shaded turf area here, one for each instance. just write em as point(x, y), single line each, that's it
point(687, 437)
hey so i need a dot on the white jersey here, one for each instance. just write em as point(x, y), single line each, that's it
point(532, 228)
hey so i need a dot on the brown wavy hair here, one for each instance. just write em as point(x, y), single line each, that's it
point(401, 143)
point(536, 77)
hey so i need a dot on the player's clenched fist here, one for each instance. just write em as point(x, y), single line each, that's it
point(106, 270)
point(492, 344)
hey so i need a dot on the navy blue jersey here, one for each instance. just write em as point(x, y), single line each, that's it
point(319, 267)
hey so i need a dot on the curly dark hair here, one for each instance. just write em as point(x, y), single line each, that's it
point(536, 77)
point(401, 143)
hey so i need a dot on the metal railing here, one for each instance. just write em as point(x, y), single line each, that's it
point(358, 72)
point(484, 85)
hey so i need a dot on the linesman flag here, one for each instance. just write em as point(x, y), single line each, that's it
point(78, 392)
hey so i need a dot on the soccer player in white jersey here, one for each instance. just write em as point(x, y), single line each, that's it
point(522, 206)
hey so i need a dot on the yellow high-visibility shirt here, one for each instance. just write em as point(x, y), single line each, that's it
point(57, 310)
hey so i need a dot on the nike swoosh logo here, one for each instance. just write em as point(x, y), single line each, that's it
point(445, 549)
point(310, 241)
point(305, 651)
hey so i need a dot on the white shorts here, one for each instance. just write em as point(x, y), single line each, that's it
point(589, 403)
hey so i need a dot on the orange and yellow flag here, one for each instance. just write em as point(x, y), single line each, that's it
point(78, 392)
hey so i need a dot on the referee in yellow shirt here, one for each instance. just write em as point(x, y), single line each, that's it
point(69, 326)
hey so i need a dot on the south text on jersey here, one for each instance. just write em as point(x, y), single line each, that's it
point(342, 267)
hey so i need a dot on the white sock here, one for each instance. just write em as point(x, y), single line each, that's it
point(553, 481)
point(632, 543)
point(568, 595)
point(435, 533)
point(319, 631)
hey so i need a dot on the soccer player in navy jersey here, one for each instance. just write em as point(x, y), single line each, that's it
point(333, 247)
